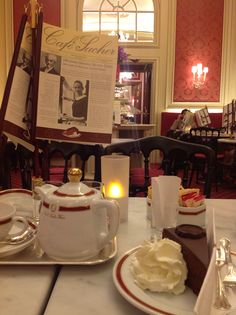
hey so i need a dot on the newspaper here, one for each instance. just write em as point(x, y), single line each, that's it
point(228, 116)
point(76, 86)
point(202, 117)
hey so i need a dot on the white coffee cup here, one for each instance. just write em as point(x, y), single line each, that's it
point(8, 218)
point(192, 215)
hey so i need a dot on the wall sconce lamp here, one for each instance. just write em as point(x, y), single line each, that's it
point(199, 75)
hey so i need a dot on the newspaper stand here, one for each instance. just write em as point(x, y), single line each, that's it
point(35, 108)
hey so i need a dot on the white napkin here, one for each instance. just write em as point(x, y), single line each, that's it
point(206, 298)
point(210, 229)
point(165, 194)
point(203, 305)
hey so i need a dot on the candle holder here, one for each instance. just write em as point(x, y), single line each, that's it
point(115, 177)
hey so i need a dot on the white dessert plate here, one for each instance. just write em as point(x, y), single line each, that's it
point(8, 249)
point(150, 302)
point(20, 198)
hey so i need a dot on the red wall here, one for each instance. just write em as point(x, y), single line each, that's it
point(51, 12)
point(199, 29)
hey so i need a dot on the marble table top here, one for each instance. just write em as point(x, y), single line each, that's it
point(25, 289)
point(227, 140)
point(90, 290)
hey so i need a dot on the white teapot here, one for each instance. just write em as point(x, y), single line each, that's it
point(75, 222)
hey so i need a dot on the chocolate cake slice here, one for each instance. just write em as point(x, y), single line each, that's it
point(195, 252)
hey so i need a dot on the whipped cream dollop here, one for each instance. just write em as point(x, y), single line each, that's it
point(159, 266)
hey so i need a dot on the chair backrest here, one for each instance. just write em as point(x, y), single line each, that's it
point(124, 147)
point(64, 151)
point(26, 160)
point(171, 150)
point(205, 135)
point(8, 162)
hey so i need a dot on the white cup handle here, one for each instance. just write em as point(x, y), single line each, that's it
point(24, 221)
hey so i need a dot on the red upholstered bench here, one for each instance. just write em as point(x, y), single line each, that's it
point(168, 118)
point(137, 175)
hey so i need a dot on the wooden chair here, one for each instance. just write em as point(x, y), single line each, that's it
point(29, 165)
point(206, 136)
point(57, 159)
point(8, 162)
point(171, 150)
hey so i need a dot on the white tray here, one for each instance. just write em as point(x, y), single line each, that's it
point(32, 256)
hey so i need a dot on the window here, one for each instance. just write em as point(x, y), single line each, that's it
point(131, 20)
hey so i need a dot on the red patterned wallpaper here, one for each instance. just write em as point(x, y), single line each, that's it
point(51, 12)
point(199, 29)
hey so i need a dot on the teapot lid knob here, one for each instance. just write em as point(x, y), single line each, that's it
point(74, 174)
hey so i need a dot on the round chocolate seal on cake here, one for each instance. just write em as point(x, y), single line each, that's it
point(190, 231)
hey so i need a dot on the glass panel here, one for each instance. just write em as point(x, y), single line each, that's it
point(145, 22)
point(91, 5)
point(127, 26)
point(130, 6)
point(109, 22)
point(90, 21)
point(121, 5)
point(142, 5)
point(107, 5)
point(145, 27)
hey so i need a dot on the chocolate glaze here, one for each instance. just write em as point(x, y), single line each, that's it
point(195, 253)
point(190, 231)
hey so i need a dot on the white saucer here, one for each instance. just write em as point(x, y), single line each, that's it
point(20, 198)
point(149, 302)
point(7, 250)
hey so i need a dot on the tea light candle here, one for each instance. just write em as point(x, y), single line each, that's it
point(115, 177)
point(115, 190)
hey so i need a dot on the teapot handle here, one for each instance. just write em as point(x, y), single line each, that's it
point(112, 210)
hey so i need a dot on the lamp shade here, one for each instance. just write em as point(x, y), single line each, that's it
point(115, 178)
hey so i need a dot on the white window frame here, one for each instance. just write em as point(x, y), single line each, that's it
point(76, 23)
point(100, 11)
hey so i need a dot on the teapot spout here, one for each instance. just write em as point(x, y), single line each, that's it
point(45, 190)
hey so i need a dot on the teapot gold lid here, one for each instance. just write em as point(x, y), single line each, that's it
point(74, 188)
point(74, 175)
